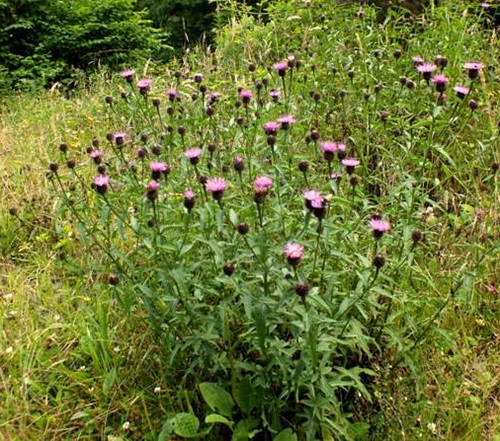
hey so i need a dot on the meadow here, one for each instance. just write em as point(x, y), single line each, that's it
point(292, 235)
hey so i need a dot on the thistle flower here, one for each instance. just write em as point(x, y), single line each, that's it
point(189, 200)
point(473, 68)
point(281, 68)
point(172, 94)
point(350, 164)
point(119, 138)
point(426, 70)
point(417, 61)
point(271, 127)
point(193, 155)
point(128, 75)
point(96, 155)
point(315, 203)
point(293, 253)
point(198, 78)
point(217, 186)
point(286, 121)
point(440, 81)
point(152, 190)
point(261, 186)
point(461, 91)
point(379, 226)
point(246, 96)
point(157, 169)
point(144, 85)
point(274, 95)
point(329, 148)
point(101, 183)
point(238, 164)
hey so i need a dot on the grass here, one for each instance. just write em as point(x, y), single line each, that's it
point(80, 359)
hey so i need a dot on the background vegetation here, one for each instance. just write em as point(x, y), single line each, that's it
point(83, 358)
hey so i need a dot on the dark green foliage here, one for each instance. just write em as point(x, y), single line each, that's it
point(46, 40)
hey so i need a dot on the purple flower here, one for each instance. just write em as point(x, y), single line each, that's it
point(286, 121)
point(274, 94)
point(246, 96)
point(262, 184)
point(426, 70)
point(96, 155)
point(281, 68)
point(329, 148)
point(417, 61)
point(473, 67)
point(350, 164)
point(189, 199)
point(152, 190)
point(293, 253)
point(239, 164)
point(379, 226)
point(440, 81)
point(119, 138)
point(128, 75)
point(193, 155)
point(198, 77)
point(271, 127)
point(461, 91)
point(101, 183)
point(217, 186)
point(172, 94)
point(157, 169)
point(313, 199)
point(144, 85)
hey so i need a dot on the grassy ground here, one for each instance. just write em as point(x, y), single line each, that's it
point(73, 366)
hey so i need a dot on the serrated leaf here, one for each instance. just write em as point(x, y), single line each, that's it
point(186, 425)
point(286, 435)
point(217, 398)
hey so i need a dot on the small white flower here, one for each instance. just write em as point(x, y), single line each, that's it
point(432, 428)
point(157, 389)
point(126, 425)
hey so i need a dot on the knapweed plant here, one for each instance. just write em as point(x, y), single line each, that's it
point(278, 224)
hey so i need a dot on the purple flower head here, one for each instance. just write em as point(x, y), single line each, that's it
point(152, 190)
point(440, 81)
point(485, 6)
point(217, 186)
point(293, 253)
point(101, 183)
point(286, 121)
point(329, 148)
point(461, 91)
point(96, 155)
point(144, 85)
point(426, 70)
point(246, 96)
point(271, 127)
point(379, 226)
point(281, 67)
point(198, 77)
point(193, 155)
point(313, 199)
point(417, 61)
point(128, 75)
point(119, 138)
point(189, 199)
point(157, 169)
point(473, 67)
point(350, 164)
point(239, 163)
point(275, 95)
point(172, 94)
point(262, 184)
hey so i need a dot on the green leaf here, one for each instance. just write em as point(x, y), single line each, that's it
point(245, 395)
point(217, 398)
point(109, 381)
point(215, 418)
point(285, 435)
point(186, 425)
point(245, 430)
point(259, 316)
